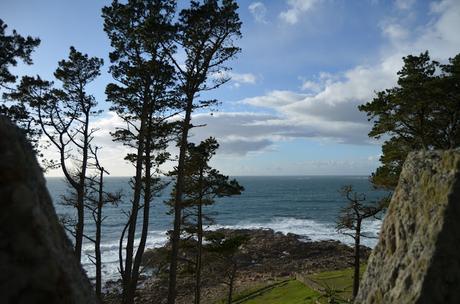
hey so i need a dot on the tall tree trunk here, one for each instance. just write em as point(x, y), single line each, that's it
point(97, 244)
point(128, 297)
point(81, 189)
point(146, 213)
point(175, 238)
point(230, 286)
point(357, 253)
point(79, 230)
point(198, 255)
point(199, 224)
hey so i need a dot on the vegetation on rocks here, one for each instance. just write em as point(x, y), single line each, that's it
point(265, 258)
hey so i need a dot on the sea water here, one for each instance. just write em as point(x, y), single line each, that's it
point(304, 205)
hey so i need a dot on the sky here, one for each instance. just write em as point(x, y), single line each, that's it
point(305, 66)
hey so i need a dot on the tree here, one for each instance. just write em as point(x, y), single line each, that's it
point(97, 198)
point(206, 32)
point(422, 112)
point(15, 47)
point(64, 118)
point(143, 97)
point(226, 249)
point(350, 223)
point(202, 185)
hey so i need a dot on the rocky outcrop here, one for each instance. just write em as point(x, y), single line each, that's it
point(37, 264)
point(268, 255)
point(417, 259)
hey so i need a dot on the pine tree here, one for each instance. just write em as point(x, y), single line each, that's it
point(63, 116)
point(143, 97)
point(227, 250)
point(97, 197)
point(14, 47)
point(350, 222)
point(421, 112)
point(202, 185)
point(206, 32)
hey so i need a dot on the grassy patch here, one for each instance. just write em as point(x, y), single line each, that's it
point(338, 280)
point(311, 290)
point(288, 292)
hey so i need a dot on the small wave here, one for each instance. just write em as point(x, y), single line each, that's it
point(314, 230)
point(109, 254)
point(311, 229)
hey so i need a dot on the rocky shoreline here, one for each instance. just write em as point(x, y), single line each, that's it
point(266, 257)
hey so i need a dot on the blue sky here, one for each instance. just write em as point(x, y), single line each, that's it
point(305, 65)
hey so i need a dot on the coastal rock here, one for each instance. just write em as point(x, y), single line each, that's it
point(268, 255)
point(37, 263)
point(417, 259)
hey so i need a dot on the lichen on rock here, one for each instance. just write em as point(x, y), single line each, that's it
point(417, 258)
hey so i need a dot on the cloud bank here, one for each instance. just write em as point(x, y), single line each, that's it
point(324, 108)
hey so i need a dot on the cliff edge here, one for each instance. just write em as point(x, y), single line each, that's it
point(417, 259)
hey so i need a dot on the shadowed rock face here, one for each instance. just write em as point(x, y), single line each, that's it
point(37, 264)
point(417, 259)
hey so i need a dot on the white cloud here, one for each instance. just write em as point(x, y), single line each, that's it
point(274, 99)
point(404, 4)
point(442, 38)
point(336, 104)
point(237, 78)
point(312, 86)
point(330, 111)
point(327, 108)
point(395, 32)
point(247, 78)
point(258, 11)
point(296, 9)
point(322, 80)
point(111, 154)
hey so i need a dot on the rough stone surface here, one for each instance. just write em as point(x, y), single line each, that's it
point(37, 264)
point(417, 259)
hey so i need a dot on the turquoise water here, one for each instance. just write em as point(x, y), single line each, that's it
point(305, 205)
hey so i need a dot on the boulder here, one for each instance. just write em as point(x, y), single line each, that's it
point(37, 264)
point(417, 258)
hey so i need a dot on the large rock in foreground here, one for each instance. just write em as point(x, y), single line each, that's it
point(37, 264)
point(417, 259)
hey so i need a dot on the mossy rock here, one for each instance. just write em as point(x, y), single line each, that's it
point(417, 258)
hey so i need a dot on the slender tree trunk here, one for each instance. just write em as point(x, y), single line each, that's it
point(357, 253)
point(230, 286)
point(175, 238)
point(97, 244)
point(80, 224)
point(199, 224)
point(128, 297)
point(81, 190)
point(146, 213)
point(198, 255)
point(127, 275)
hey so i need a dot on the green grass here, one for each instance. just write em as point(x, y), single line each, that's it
point(288, 292)
point(252, 292)
point(339, 280)
point(295, 292)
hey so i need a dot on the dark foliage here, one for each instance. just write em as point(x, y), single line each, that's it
point(422, 112)
point(14, 47)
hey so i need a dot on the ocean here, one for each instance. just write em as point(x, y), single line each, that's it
point(304, 205)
